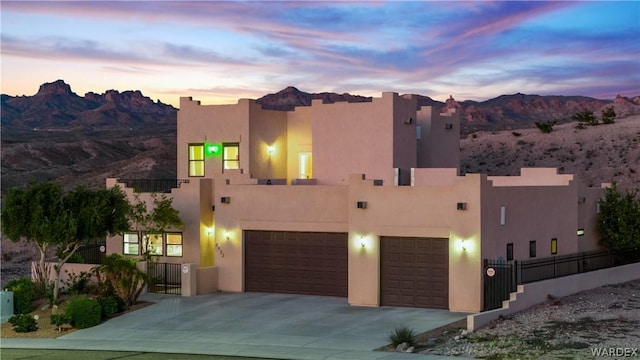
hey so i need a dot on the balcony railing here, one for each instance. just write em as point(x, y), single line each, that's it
point(153, 185)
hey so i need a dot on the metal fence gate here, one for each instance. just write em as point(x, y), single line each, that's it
point(164, 278)
point(499, 283)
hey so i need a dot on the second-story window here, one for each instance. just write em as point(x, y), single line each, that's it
point(230, 156)
point(196, 159)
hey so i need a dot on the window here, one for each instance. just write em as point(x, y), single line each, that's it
point(196, 159)
point(154, 244)
point(230, 156)
point(305, 165)
point(509, 251)
point(554, 246)
point(503, 215)
point(532, 248)
point(174, 244)
point(131, 244)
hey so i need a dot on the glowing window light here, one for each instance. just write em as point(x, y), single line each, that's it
point(213, 149)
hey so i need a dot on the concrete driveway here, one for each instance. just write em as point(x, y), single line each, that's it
point(278, 326)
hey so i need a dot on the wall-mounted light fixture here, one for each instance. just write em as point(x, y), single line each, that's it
point(270, 149)
point(461, 206)
point(225, 200)
point(448, 126)
point(361, 204)
point(227, 235)
point(408, 121)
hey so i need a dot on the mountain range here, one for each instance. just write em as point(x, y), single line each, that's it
point(56, 106)
point(58, 135)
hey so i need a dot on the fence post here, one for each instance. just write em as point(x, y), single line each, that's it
point(554, 267)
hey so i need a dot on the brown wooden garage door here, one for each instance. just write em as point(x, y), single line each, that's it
point(310, 263)
point(414, 272)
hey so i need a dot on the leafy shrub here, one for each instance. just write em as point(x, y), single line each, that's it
point(84, 312)
point(111, 305)
point(516, 134)
point(23, 323)
point(24, 293)
point(60, 319)
point(402, 334)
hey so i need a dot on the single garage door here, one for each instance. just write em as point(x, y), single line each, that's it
point(414, 272)
point(310, 263)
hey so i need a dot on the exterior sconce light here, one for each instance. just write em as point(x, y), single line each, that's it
point(461, 206)
point(362, 242)
point(361, 204)
point(463, 245)
point(226, 235)
point(270, 149)
point(225, 200)
point(580, 232)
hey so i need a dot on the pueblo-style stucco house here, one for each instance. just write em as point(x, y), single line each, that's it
point(357, 200)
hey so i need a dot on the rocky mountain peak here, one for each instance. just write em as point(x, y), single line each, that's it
point(58, 87)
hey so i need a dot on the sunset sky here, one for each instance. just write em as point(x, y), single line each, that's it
point(220, 51)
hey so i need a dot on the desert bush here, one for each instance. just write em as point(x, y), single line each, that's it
point(23, 323)
point(119, 274)
point(586, 117)
point(402, 334)
point(24, 293)
point(608, 116)
point(84, 312)
point(516, 134)
point(58, 320)
point(546, 127)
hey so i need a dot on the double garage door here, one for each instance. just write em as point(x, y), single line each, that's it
point(310, 263)
point(413, 271)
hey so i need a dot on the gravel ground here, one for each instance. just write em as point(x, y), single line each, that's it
point(572, 327)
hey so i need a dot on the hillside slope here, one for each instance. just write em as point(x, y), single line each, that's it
point(599, 154)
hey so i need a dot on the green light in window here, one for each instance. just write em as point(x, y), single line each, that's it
point(580, 232)
point(213, 149)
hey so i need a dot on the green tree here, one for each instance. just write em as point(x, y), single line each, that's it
point(619, 220)
point(608, 115)
point(122, 277)
point(585, 116)
point(155, 219)
point(44, 215)
point(36, 214)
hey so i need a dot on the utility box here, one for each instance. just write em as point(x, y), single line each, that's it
point(6, 306)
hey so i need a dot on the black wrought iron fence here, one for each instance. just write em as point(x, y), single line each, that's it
point(164, 278)
point(90, 253)
point(529, 271)
point(501, 279)
point(153, 185)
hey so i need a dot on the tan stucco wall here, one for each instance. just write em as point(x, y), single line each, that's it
point(212, 124)
point(352, 138)
point(438, 146)
point(533, 213)
point(267, 143)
